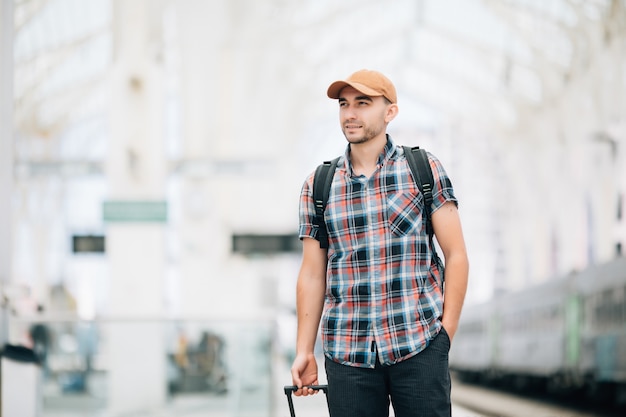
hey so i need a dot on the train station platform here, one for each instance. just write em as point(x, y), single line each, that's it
point(203, 404)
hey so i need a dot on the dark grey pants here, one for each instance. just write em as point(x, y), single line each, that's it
point(419, 386)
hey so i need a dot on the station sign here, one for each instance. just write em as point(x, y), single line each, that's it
point(134, 211)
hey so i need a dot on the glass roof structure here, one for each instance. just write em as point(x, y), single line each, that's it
point(461, 58)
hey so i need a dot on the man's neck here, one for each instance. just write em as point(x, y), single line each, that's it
point(364, 156)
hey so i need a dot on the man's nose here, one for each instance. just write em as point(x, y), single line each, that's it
point(349, 113)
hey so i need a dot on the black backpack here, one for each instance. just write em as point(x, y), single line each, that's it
point(420, 169)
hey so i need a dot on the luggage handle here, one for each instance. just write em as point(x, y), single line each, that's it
point(289, 389)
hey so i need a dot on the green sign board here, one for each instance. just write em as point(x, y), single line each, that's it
point(135, 211)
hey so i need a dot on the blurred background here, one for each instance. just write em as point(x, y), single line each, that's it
point(152, 154)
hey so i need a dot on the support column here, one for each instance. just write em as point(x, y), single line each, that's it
point(203, 28)
point(6, 154)
point(136, 172)
point(6, 166)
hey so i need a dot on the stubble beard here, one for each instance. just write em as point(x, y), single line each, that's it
point(368, 134)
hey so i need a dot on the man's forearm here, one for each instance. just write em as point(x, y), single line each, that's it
point(456, 272)
point(310, 303)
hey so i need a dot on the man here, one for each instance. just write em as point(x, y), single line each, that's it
point(378, 290)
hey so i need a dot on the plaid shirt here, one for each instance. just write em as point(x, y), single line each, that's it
point(383, 286)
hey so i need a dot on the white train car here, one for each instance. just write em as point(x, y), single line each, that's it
point(567, 334)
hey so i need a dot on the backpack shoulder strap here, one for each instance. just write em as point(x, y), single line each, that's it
point(423, 175)
point(322, 182)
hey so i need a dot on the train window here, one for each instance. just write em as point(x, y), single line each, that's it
point(473, 327)
point(609, 309)
point(623, 318)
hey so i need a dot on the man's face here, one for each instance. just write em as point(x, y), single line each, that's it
point(362, 117)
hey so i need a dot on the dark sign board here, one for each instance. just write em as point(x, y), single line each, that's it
point(266, 243)
point(88, 244)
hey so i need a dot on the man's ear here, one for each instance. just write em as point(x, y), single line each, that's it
point(392, 112)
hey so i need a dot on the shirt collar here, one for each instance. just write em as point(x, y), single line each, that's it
point(385, 155)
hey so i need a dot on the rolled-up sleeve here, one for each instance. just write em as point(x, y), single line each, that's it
point(307, 227)
point(442, 187)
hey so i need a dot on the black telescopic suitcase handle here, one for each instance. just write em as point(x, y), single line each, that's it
point(289, 389)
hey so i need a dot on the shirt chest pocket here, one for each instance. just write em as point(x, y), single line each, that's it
point(404, 213)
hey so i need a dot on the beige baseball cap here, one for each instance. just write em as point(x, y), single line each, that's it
point(369, 82)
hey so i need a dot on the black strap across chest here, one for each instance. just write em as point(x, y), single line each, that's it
point(420, 170)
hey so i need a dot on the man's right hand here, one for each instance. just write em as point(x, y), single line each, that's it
point(304, 374)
